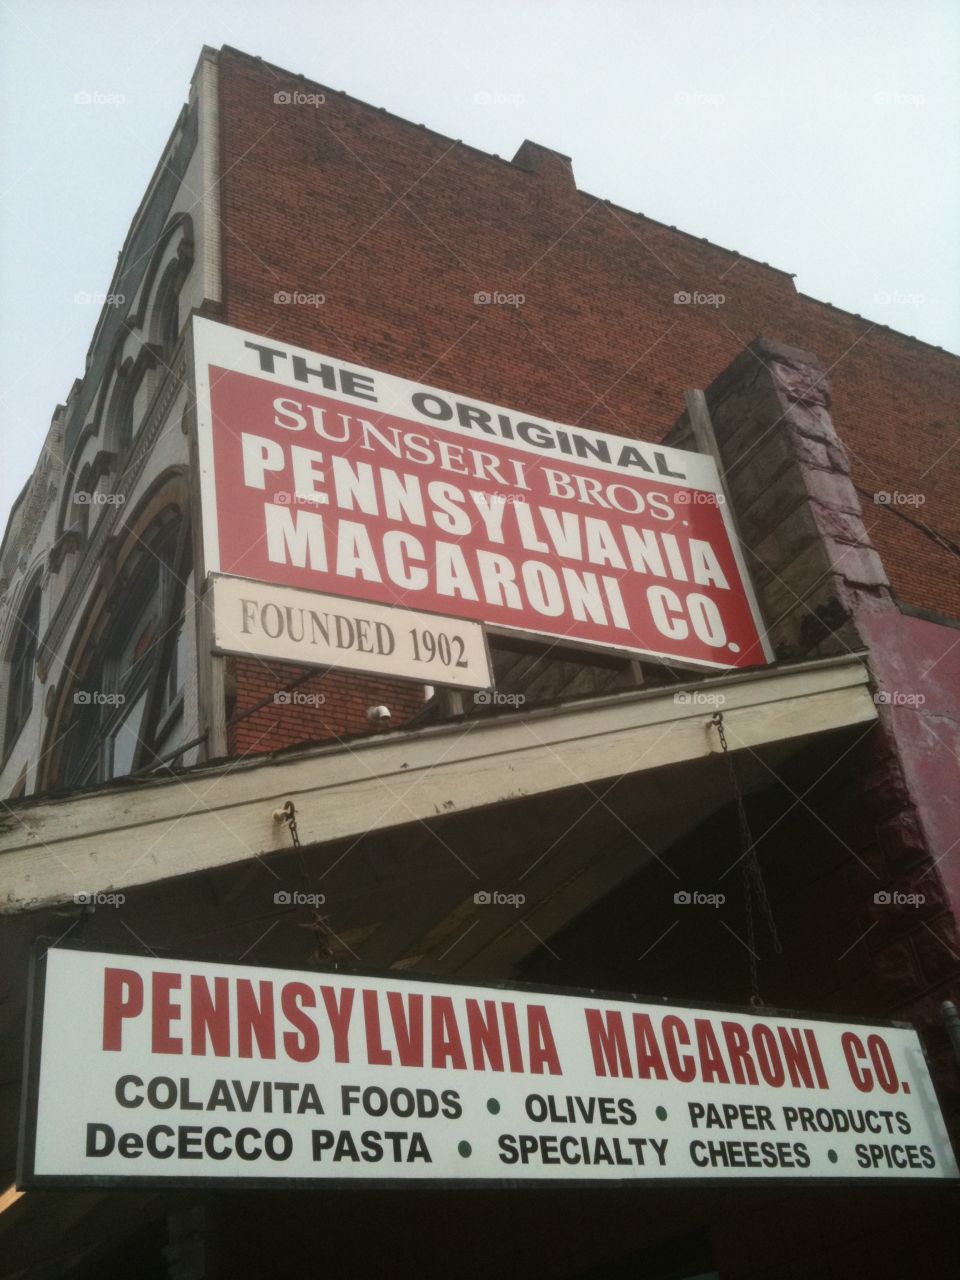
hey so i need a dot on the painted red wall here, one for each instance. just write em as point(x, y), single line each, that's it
point(917, 667)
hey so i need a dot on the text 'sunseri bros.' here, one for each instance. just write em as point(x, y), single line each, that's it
point(359, 524)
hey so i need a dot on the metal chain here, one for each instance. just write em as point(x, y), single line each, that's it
point(323, 953)
point(751, 874)
point(290, 818)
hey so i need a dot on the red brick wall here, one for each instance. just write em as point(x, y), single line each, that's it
point(315, 709)
point(399, 228)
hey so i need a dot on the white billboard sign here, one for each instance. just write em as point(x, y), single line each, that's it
point(150, 1070)
point(305, 627)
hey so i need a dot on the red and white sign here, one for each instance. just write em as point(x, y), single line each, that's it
point(332, 477)
point(146, 1069)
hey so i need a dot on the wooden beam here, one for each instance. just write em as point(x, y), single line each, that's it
point(700, 421)
point(213, 816)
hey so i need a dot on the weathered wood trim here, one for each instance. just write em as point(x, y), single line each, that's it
point(213, 816)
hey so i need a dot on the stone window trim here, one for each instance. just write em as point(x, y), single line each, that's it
point(20, 664)
point(166, 502)
point(171, 262)
point(158, 567)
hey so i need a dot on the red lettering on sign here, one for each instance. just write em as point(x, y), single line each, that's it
point(255, 1019)
point(165, 1012)
point(407, 1017)
point(711, 1062)
point(738, 1047)
point(303, 1043)
point(339, 1015)
point(511, 1031)
point(675, 1032)
point(377, 1055)
point(608, 1043)
point(649, 1058)
point(484, 1033)
point(768, 1055)
point(122, 998)
point(209, 1016)
point(447, 1045)
point(543, 1050)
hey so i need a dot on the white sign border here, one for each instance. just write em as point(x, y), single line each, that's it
point(26, 1179)
point(208, 335)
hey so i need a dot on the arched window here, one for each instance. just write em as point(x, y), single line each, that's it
point(165, 326)
point(128, 714)
point(23, 666)
point(121, 416)
point(79, 517)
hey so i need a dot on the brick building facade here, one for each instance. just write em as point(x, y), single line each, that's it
point(819, 417)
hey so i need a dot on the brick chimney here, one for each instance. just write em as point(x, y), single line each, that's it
point(553, 170)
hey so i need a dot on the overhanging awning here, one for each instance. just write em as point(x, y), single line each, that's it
point(400, 831)
point(135, 834)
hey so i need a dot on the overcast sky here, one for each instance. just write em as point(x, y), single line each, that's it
point(821, 138)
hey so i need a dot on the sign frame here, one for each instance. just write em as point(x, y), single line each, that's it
point(26, 1179)
point(204, 332)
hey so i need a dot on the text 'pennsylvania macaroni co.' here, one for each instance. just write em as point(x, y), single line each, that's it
point(335, 478)
point(201, 1071)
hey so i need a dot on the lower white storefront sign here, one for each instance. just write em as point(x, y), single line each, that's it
point(289, 625)
point(146, 1070)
